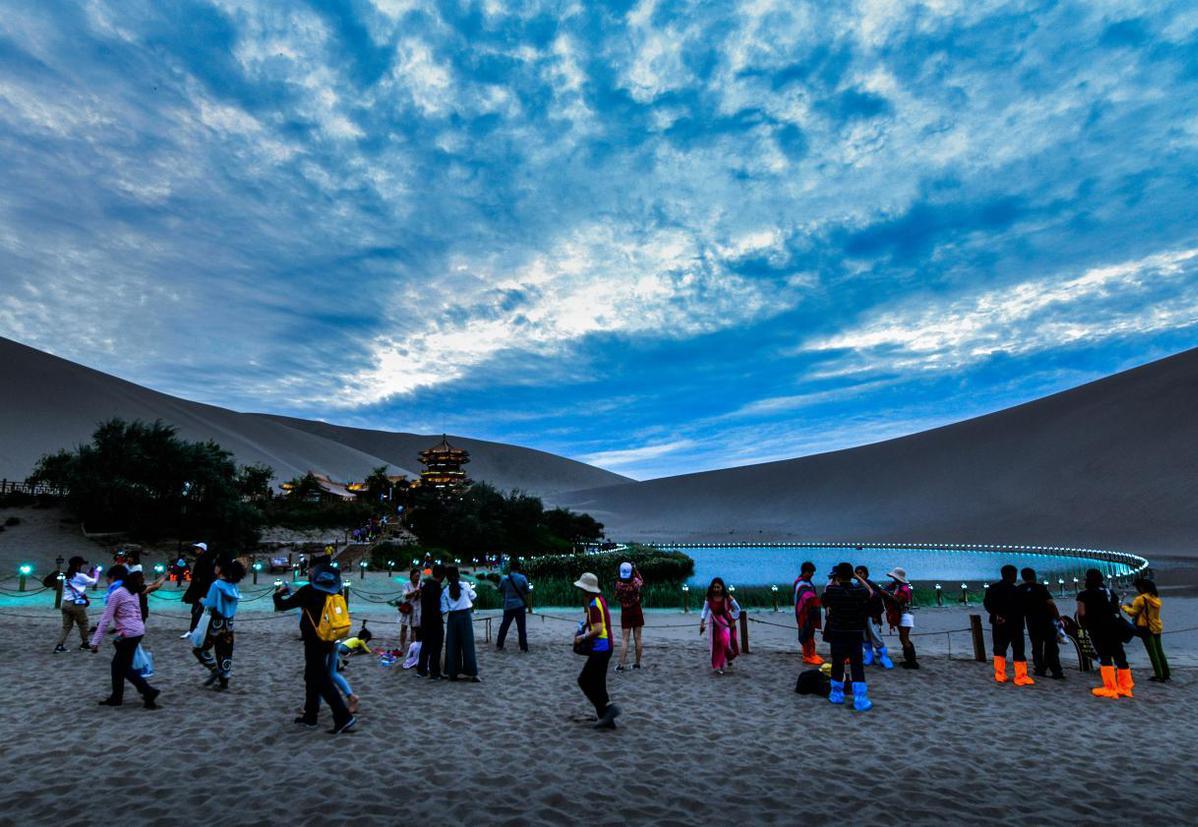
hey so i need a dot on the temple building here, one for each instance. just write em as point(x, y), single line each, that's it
point(443, 466)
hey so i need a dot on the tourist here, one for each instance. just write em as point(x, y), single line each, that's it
point(1145, 611)
point(74, 603)
point(1098, 614)
point(632, 617)
point(594, 640)
point(324, 580)
point(718, 607)
point(899, 598)
point(1005, 606)
point(409, 610)
point(123, 612)
point(846, 601)
point(432, 634)
point(203, 572)
point(513, 587)
point(221, 602)
point(873, 647)
point(1040, 613)
point(457, 604)
point(807, 612)
point(337, 662)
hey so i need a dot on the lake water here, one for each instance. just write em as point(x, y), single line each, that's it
point(773, 565)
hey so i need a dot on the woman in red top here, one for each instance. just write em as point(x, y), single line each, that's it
point(632, 619)
point(721, 609)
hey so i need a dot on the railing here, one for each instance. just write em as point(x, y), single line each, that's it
point(34, 490)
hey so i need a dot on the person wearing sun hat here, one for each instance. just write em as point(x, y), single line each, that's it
point(900, 607)
point(594, 640)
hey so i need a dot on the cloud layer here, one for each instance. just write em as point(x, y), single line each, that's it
point(661, 235)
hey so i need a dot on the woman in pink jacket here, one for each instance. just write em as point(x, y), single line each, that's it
point(123, 612)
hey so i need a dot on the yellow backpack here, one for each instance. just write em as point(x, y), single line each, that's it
point(334, 619)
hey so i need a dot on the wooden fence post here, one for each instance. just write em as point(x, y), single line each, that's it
point(979, 640)
point(744, 633)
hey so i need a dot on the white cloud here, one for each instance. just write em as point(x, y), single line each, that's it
point(626, 457)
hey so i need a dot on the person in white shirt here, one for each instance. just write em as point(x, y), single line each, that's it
point(457, 604)
point(74, 603)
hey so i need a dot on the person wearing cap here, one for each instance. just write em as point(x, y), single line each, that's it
point(203, 573)
point(594, 639)
point(900, 613)
point(807, 612)
point(514, 588)
point(632, 618)
point(74, 603)
point(1005, 606)
point(324, 580)
point(846, 601)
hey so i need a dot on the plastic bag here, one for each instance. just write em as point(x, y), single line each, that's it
point(201, 631)
point(143, 661)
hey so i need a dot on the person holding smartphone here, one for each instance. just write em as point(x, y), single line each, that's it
point(846, 601)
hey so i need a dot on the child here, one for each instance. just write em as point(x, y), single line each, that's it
point(343, 650)
point(1145, 609)
point(221, 602)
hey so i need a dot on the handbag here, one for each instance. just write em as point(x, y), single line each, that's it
point(143, 662)
point(405, 608)
point(201, 631)
point(586, 646)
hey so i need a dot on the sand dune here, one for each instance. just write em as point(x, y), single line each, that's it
point(1113, 463)
point(51, 403)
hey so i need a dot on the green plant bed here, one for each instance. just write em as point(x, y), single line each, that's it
point(654, 565)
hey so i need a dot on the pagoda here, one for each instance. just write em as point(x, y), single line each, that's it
point(443, 466)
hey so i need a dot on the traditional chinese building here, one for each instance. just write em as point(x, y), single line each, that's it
point(443, 466)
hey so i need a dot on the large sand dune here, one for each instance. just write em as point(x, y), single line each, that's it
point(51, 403)
point(1113, 463)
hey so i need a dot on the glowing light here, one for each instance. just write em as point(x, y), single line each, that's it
point(25, 569)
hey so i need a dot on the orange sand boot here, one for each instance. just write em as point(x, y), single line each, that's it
point(1000, 669)
point(1021, 676)
point(1108, 689)
point(809, 654)
point(1124, 683)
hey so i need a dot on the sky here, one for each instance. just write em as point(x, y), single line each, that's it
point(660, 237)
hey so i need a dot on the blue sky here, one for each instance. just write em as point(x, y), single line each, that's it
point(661, 237)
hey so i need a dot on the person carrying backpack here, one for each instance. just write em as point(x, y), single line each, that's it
point(324, 619)
point(514, 588)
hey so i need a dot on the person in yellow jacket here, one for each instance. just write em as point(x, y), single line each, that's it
point(1145, 611)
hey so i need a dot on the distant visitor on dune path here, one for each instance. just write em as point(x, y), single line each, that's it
point(720, 613)
point(593, 640)
point(632, 618)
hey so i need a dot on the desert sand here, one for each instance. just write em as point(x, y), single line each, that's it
point(941, 744)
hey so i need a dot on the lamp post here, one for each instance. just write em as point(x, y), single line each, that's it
point(1061, 582)
point(362, 567)
point(58, 561)
point(685, 602)
point(939, 596)
point(159, 569)
point(390, 567)
point(965, 593)
point(256, 567)
point(774, 595)
point(25, 569)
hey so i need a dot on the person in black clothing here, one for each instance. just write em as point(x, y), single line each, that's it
point(432, 633)
point(846, 601)
point(202, 575)
point(1098, 614)
point(1005, 606)
point(874, 612)
point(318, 681)
point(1040, 613)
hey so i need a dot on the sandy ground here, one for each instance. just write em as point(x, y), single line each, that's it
point(943, 743)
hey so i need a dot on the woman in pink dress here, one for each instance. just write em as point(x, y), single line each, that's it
point(721, 610)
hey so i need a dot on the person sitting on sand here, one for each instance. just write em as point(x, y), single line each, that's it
point(457, 604)
point(874, 647)
point(632, 617)
point(221, 602)
point(807, 612)
point(1098, 614)
point(513, 587)
point(74, 603)
point(1145, 610)
point(123, 612)
point(324, 580)
point(846, 601)
point(899, 598)
point(594, 639)
point(718, 609)
point(1040, 614)
point(1005, 606)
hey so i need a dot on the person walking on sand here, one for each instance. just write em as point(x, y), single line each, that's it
point(1040, 614)
point(457, 604)
point(1005, 606)
point(874, 647)
point(1145, 610)
point(632, 617)
point(513, 587)
point(846, 601)
point(74, 603)
point(808, 616)
point(1098, 614)
point(203, 573)
point(432, 633)
point(221, 602)
point(408, 605)
point(718, 610)
point(899, 599)
point(323, 581)
point(123, 612)
point(594, 640)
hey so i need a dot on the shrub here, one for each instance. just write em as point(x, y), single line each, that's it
point(654, 565)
